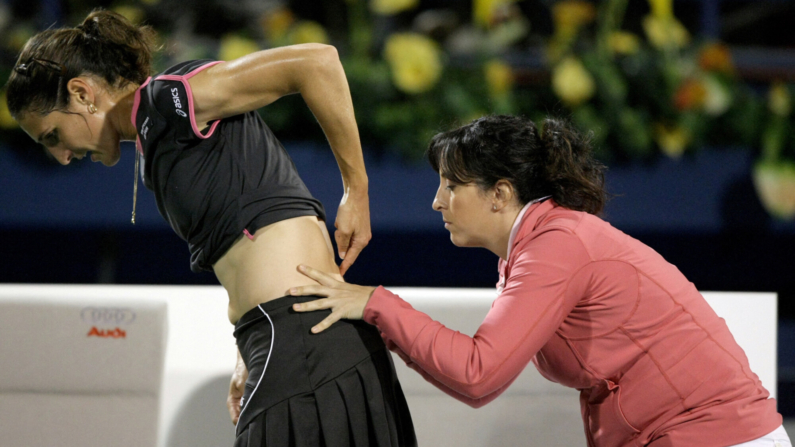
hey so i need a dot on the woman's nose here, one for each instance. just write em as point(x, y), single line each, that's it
point(64, 156)
point(437, 202)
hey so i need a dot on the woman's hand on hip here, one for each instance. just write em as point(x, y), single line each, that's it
point(345, 300)
point(237, 385)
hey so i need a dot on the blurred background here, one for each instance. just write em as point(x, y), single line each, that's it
point(690, 103)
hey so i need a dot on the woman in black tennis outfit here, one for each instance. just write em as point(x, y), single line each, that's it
point(227, 187)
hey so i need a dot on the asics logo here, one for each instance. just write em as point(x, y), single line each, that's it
point(177, 102)
point(145, 127)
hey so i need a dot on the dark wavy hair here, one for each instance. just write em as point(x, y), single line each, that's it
point(105, 45)
point(556, 161)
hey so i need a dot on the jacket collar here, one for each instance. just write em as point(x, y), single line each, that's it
point(527, 220)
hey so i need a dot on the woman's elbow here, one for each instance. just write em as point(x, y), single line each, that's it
point(328, 51)
point(319, 54)
point(478, 392)
point(481, 400)
point(328, 58)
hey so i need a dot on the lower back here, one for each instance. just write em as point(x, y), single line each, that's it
point(261, 269)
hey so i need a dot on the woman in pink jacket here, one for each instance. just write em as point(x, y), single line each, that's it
point(591, 307)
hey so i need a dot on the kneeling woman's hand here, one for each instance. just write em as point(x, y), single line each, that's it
point(345, 300)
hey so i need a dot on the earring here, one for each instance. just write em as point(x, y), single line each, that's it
point(494, 207)
point(92, 108)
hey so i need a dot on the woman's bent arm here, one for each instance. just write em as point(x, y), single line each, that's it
point(521, 321)
point(315, 72)
point(535, 301)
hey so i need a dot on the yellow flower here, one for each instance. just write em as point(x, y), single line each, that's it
point(570, 15)
point(307, 31)
point(664, 33)
point(571, 82)
point(672, 140)
point(6, 120)
point(778, 99)
point(389, 7)
point(775, 185)
point(415, 61)
point(484, 11)
point(662, 9)
point(234, 46)
point(276, 22)
point(623, 42)
point(499, 77)
point(131, 13)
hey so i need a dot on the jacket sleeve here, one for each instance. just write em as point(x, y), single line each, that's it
point(474, 403)
point(524, 316)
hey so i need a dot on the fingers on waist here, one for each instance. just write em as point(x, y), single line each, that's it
point(313, 305)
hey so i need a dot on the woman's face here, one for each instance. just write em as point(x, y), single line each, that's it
point(74, 133)
point(466, 211)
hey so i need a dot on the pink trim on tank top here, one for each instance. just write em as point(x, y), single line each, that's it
point(136, 105)
point(248, 235)
point(184, 79)
point(137, 101)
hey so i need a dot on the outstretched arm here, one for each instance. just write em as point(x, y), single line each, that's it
point(532, 306)
point(349, 301)
point(314, 71)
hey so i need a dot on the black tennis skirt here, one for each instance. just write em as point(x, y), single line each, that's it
point(336, 388)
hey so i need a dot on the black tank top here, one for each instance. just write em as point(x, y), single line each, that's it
point(213, 185)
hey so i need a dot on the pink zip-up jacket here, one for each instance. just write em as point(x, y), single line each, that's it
point(599, 311)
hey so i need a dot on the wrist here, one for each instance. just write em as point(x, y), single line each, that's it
point(356, 186)
point(368, 314)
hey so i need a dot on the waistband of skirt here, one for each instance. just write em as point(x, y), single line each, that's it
point(272, 307)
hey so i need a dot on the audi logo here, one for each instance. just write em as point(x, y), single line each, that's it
point(107, 315)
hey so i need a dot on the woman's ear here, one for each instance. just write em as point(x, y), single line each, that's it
point(504, 193)
point(81, 91)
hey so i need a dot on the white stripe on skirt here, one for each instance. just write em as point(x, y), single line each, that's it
point(265, 368)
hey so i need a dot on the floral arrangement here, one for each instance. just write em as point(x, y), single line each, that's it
point(667, 93)
point(416, 72)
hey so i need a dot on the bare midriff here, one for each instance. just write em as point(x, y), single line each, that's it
point(254, 271)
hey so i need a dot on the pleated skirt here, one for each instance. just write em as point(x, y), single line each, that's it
point(336, 389)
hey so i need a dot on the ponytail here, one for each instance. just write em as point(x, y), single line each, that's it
point(105, 45)
point(116, 49)
point(576, 180)
point(556, 161)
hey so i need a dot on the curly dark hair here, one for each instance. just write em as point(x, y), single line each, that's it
point(556, 161)
point(105, 45)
